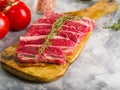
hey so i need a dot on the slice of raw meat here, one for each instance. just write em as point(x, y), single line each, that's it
point(30, 53)
point(40, 26)
point(38, 40)
point(76, 37)
point(46, 20)
point(64, 43)
point(84, 24)
point(89, 21)
point(38, 32)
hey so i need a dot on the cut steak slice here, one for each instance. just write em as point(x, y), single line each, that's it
point(89, 21)
point(79, 25)
point(49, 17)
point(84, 24)
point(69, 28)
point(76, 37)
point(40, 27)
point(56, 41)
point(37, 32)
point(66, 31)
point(37, 40)
point(29, 53)
point(65, 44)
point(46, 20)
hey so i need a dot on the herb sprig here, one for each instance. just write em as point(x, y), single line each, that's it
point(55, 27)
point(115, 26)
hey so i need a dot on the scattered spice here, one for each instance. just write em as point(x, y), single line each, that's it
point(115, 26)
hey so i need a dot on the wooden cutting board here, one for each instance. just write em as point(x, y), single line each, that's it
point(44, 72)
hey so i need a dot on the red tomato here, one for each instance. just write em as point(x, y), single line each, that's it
point(4, 25)
point(19, 15)
point(3, 4)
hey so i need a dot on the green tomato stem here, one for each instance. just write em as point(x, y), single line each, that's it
point(9, 3)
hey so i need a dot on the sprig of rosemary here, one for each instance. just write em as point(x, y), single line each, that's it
point(55, 27)
point(115, 26)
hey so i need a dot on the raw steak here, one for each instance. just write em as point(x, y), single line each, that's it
point(74, 36)
point(65, 44)
point(30, 53)
point(62, 44)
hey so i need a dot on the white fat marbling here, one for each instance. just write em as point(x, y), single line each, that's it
point(97, 68)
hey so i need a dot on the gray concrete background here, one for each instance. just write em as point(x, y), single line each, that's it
point(97, 68)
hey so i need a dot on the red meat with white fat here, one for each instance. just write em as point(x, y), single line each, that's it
point(66, 39)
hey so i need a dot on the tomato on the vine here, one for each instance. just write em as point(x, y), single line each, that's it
point(4, 25)
point(3, 4)
point(19, 15)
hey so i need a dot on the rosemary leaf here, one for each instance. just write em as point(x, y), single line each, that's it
point(115, 26)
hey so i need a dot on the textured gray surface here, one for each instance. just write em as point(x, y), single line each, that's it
point(97, 68)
